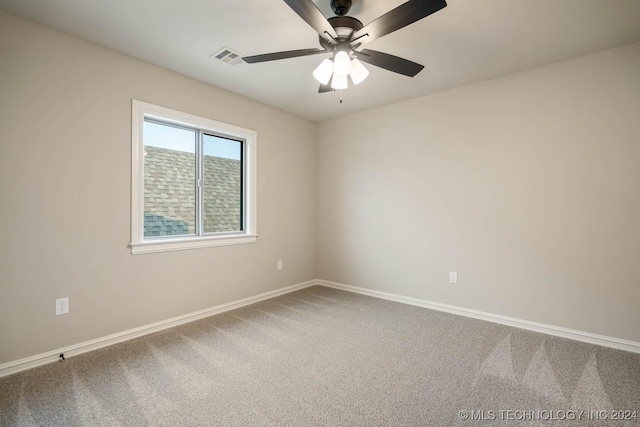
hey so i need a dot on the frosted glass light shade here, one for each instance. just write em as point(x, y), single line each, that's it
point(342, 64)
point(339, 82)
point(358, 71)
point(324, 71)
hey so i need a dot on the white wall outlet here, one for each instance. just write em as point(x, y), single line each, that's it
point(62, 306)
point(453, 277)
point(279, 265)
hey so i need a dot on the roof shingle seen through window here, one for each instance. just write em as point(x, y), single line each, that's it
point(170, 193)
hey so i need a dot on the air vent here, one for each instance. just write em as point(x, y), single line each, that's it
point(228, 55)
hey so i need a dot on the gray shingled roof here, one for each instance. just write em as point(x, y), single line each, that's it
point(170, 194)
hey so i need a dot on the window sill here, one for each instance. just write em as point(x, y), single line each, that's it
point(190, 243)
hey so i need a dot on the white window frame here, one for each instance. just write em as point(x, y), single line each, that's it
point(141, 110)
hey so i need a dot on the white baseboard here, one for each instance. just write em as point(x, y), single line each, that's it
point(76, 349)
point(587, 337)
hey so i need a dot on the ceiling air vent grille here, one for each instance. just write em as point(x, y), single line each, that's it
point(228, 55)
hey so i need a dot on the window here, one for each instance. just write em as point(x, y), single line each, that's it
point(193, 181)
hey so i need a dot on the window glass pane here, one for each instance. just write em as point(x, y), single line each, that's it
point(169, 180)
point(222, 191)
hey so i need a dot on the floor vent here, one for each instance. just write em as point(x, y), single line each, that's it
point(228, 55)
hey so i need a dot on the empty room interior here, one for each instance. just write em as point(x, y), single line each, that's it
point(319, 212)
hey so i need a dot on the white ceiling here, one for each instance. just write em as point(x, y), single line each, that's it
point(468, 41)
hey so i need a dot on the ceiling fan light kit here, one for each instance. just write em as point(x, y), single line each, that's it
point(341, 66)
point(324, 71)
point(342, 35)
point(358, 71)
point(339, 82)
point(342, 63)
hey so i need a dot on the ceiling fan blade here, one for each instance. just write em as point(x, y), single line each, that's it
point(312, 16)
point(403, 15)
point(325, 88)
point(389, 62)
point(282, 55)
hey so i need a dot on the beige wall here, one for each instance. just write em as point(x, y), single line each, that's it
point(65, 164)
point(528, 186)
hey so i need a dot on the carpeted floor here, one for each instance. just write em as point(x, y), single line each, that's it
point(326, 357)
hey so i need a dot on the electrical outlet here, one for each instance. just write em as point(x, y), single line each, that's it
point(62, 306)
point(279, 265)
point(453, 277)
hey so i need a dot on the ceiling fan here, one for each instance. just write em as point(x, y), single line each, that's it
point(343, 35)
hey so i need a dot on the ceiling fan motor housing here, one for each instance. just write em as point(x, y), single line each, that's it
point(340, 7)
point(345, 27)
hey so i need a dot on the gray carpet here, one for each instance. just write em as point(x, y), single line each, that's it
point(326, 357)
